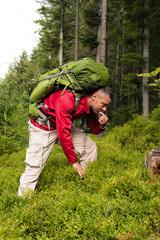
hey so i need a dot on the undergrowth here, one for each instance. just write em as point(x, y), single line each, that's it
point(117, 199)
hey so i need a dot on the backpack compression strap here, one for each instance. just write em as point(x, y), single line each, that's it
point(58, 74)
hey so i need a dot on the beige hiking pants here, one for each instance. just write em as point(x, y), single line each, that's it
point(41, 143)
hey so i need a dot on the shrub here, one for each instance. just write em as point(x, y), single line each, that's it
point(116, 200)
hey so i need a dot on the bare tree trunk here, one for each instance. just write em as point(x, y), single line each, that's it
point(122, 69)
point(60, 55)
point(77, 29)
point(153, 162)
point(117, 81)
point(116, 77)
point(98, 57)
point(102, 35)
point(117, 59)
point(102, 31)
point(146, 64)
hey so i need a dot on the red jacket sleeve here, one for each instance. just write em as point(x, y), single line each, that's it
point(63, 110)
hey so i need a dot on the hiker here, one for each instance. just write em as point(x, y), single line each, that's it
point(59, 97)
point(71, 139)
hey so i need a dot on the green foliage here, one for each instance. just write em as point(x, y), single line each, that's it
point(89, 30)
point(123, 114)
point(152, 75)
point(125, 22)
point(132, 59)
point(116, 200)
point(141, 128)
point(14, 106)
point(52, 14)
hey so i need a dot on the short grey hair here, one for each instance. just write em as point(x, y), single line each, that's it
point(105, 91)
point(101, 91)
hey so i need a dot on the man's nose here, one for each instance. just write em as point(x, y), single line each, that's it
point(104, 108)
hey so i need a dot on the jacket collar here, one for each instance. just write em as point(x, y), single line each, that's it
point(84, 103)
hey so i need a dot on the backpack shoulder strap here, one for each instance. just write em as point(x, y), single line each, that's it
point(44, 119)
point(77, 101)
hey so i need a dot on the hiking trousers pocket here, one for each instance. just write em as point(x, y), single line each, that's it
point(34, 156)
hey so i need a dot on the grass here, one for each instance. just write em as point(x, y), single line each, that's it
point(117, 199)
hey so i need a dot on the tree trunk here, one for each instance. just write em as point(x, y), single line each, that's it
point(146, 64)
point(102, 34)
point(117, 82)
point(153, 161)
point(98, 57)
point(60, 55)
point(122, 68)
point(77, 29)
point(101, 49)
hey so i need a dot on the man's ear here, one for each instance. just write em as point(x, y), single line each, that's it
point(94, 96)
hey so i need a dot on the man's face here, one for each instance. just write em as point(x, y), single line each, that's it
point(100, 102)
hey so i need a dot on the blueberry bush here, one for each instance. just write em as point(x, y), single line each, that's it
point(117, 199)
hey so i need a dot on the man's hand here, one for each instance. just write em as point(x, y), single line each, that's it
point(79, 169)
point(103, 119)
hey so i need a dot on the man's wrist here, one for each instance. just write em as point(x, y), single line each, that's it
point(103, 127)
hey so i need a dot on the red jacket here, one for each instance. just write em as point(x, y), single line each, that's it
point(61, 109)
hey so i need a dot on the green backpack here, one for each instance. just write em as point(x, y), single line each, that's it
point(79, 77)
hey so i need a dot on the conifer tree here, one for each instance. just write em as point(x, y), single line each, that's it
point(57, 32)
